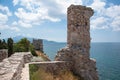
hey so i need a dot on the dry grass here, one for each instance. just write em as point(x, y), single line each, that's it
point(42, 75)
point(42, 55)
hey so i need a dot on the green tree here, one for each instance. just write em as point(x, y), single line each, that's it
point(10, 46)
point(22, 45)
point(19, 48)
point(4, 44)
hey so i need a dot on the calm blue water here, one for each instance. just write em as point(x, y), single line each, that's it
point(107, 56)
point(108, 60)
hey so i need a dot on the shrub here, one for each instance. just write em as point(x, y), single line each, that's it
point(32, 50)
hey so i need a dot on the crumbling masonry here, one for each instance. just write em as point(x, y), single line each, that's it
point(78, 43)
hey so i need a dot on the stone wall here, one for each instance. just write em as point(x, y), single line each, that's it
point(38, 44)
point(53, 67)
point(3, 54)
point(78, 43)
point(11, 68)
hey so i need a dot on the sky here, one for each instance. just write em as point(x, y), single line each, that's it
point(47, 19)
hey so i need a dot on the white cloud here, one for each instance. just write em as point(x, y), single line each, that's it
point(37, 11)
point(99, 23)
point(15, 2)
point(5, 27)
point(98, 5)
point(113, 11)
point(14, 23)
point(23, 24)
point(105, 17)
point(5, 10)
point(26, 16)
point(3, 21)
point(64, 4)
point(34, 12)
point(4, 14)
point(34, 17)
point(3, 18)
point(15, 29)
point(15, 26)
point(39, 14)
point(116, 24)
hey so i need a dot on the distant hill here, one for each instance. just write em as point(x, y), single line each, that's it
point(18, 38)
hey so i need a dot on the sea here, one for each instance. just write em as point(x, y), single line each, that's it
point(107, 56)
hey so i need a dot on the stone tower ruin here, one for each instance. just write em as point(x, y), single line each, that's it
point(78, 43)
point(38, 44)
point(78, 28)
